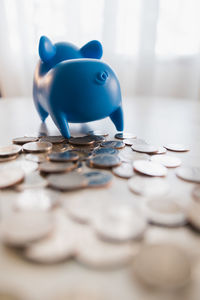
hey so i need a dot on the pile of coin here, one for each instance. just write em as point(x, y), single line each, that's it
point(52, 218)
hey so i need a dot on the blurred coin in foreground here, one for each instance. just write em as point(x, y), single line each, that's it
point(37, 147)
point(26, 166)
point(163, 266)
point(166, 160)
point(98, 179)
point(125, 170)
point(64, 156)
point(193, 212)
point(32, 180)
point(24, 140)
point(67, 181)
point(144, 148)
point(124, 135)
point(148, 187)
point(21, 228)
point(177, 147)
point(36, 200)
point(164, 211)
point(119, 224)
point(57, 246)
point(10, 150)
point(99, 254)
point(10, 177)
point(149, 168)
point(189, 173)
point(113, 144)
point(53, 167)
point(105, 161)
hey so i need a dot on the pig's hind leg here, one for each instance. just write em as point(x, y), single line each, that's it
point(60, 120)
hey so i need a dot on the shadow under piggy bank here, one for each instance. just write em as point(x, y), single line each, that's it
point(77, 90)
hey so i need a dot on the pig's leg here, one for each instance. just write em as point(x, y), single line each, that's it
point(42, 113)
point(60, 121)
point(117, 119)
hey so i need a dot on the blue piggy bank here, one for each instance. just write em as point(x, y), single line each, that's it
point(73, 85)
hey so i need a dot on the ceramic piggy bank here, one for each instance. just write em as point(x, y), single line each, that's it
point(73, 85)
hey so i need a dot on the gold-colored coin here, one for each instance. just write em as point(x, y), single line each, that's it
point(37, 147)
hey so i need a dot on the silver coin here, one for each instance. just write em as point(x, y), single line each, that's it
point(32, 180)
point(37, 147)
point(166, 160)
point(10, 177)
point(56, 247)
point(36, 199)
point(65, 182)
point(53, 167)
point(125, 170)
point(36, 157)
point(81, 141)
point(24, 140)
point(130, 156)
point(196, 193)
point(99, 254)
point(105, 161)
point(161, 150)
point(149, 168)
point(105, 151)
point(189, 173)
point(10, 150)
point(66, 156)
point(19, 229)
point(113, 144)
point(148, 187)
point(135, 141)
point(163, 266)
point(144, 148)
point(97, 132)
point(165, 212)
point(120, 224)
point(177, 147)
point(193, 212)
point(98, 179)
point(53, 139)
point(124, 135)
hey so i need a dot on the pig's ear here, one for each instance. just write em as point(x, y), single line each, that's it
point(93, 49)
point(46, 49)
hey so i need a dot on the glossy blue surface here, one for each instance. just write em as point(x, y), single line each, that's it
point(72, 86)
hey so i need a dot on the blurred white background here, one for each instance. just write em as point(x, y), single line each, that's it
point(153, 45)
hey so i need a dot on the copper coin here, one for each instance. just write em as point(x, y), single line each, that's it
point(10, 150)
point(149, 168)
point(66, 156)
point(105, 161)
point(144, 148)
point(24, 140)
point(97, 132)
point(166, 160)
point(124, 135)
point(10, 177)
point(62, 147)
point(53, 167)
point(8, 158)
point(82, 154)
point(53, 139)
point(81, 141)
point(37, 147)
point(67, 181)
point(177, 147)
point(113, 144)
